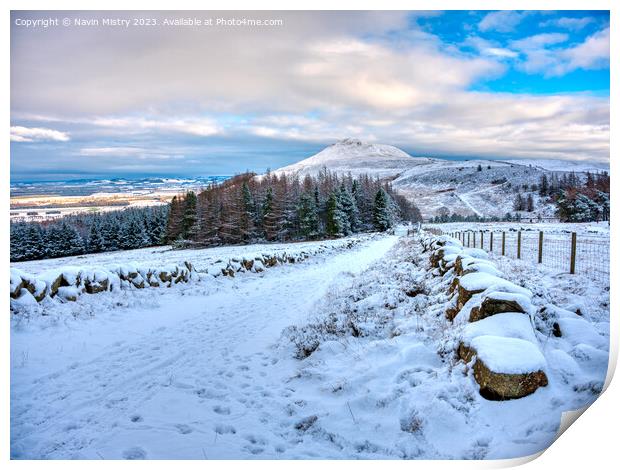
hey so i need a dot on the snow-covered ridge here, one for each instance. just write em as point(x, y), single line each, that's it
point(563, 165)
point(67, 283)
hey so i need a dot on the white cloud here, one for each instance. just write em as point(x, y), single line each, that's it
point(202, 127)
point(110, 151)
point(37, 134)
point(502, 21)
point(573, 24)
point(132, 152)
point(539, 40)
point(489, 48)
point(500, 52)
point(593, 53)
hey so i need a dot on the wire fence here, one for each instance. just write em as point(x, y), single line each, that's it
point(564, 252)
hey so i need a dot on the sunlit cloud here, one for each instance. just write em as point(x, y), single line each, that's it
point(37, 134)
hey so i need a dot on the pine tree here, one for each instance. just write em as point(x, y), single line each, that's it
point(189, 214)
point(156, 225)
point(308, 216)
point(27, 242)
point(335, 216)
point(133, 235)
point(530, 203)
point(350, 209)
point(18, 241)
point(381, 212)
point(95, 242)
point(70, 241)
point(603, 201)
point(110, 232)
point(518, 204)
point(53, 242)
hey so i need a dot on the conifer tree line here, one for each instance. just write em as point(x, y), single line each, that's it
point(89, 233)
point(577, 199)
point(246, 209)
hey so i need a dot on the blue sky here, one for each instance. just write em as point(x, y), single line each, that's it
point(187, 101)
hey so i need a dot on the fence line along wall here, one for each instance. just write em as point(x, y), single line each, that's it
point(565, 252)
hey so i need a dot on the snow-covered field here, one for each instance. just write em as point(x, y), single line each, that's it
point(212, 369)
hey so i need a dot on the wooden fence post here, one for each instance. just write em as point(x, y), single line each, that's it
point(468, 233)
point(540, 246)
point(491, 243)
point(481, 239)
point(503, 243)
point(573, 252)
point(474, 239)
point(519, 245)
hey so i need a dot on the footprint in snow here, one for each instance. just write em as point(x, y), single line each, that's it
point(253, 439)
point(225, 429)
point(184, 428)
point(221, 410)
point(134, 453)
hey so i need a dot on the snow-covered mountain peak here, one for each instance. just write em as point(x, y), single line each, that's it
point(355, 149)
point(356, 157)
point(349, 141)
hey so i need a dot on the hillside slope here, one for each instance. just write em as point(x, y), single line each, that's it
point(465, 187)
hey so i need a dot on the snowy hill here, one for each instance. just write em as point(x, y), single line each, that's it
point(466, 187)
point(357, 157)
point(482, 187)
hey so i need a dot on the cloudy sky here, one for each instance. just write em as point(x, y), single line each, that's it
point(107, 101)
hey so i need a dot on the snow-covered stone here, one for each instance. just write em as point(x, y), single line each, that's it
point(507, 368)
point(499, 302)
point(505, 325)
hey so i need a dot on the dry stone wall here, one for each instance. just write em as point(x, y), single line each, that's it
point(69, 283)
point(498, 338)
